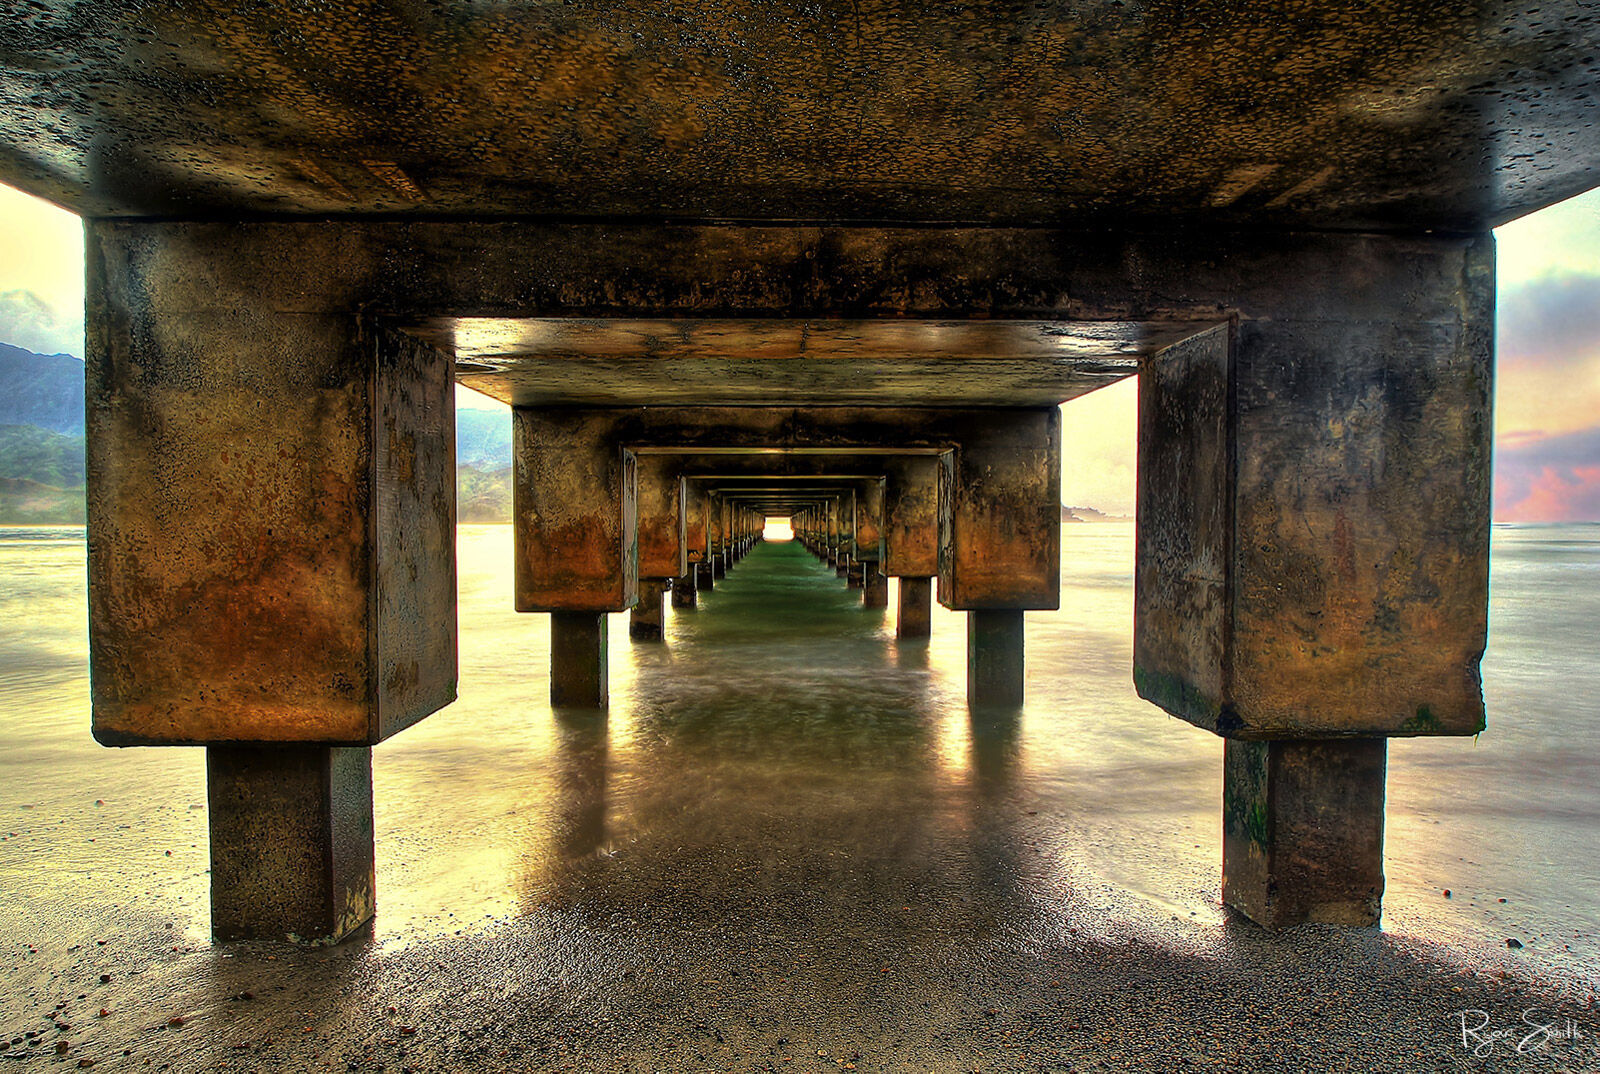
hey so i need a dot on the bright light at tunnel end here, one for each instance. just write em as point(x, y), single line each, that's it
point(777, 529)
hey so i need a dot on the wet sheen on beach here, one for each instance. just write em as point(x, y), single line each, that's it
point(790, 846)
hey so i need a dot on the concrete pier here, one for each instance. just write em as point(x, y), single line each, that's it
point(291, 842)
point(684, 591)
point(915, 619)
point(995, 670)
point(1302, 831)
point(578, 662)
point(874, 587)
point(280, 305)
point(644, 621)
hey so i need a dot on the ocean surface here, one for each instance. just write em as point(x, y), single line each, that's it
point(781, 711)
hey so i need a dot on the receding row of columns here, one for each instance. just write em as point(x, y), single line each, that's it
point(271, 506)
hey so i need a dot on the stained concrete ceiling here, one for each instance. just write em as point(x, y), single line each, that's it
point(708, 361)
point(1388, 114)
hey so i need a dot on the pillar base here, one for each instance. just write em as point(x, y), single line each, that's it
point(644, 621)
point(995, 668)
point(916, 608)
point(291, 842)
point(874, 587)
point(684, 594)
point(578, 670)
point(719, 564)
point(705, 578)
point(1302, 831)
point(855, 577)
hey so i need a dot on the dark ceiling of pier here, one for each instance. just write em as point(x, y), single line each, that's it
point(1384, 114)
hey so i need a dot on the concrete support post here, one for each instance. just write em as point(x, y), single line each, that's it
point(855, 574)
point(705, 575)
point(995, 668)
point(719, 564)
point(1302, 831)
point(684, 592)
point(916, 608)
point(875, 587)
point(291, 841)
point(644, 621)
point(578, 667)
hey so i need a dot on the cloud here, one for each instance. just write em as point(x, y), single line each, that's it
point(1548, 479)
point(1554, 319)
point(26, 320)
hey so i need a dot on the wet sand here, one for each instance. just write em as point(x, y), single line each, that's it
point(787, 848)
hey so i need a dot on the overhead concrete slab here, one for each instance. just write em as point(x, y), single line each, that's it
point(1343, 114)
point(543, 361)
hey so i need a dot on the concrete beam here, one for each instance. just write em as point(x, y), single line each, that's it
point(574, 511)
point(1314, 512)
point(271, 503)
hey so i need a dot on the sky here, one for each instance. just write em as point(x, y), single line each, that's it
point(1547, 395)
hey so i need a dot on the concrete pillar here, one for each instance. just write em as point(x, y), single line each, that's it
point(855, 574)
point(1312, 570)
point(291, 841)
point(578, 672)
point(1302, 830)
point(995, 668)
point(916, 608)
point(644, 621)
point(271, 547)
point(719, 564)
point(875, 587)
point(684, 592)
point(705, 575)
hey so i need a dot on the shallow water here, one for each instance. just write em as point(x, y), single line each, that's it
point(782, 749)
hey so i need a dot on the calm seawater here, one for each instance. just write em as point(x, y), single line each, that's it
point(780, 710)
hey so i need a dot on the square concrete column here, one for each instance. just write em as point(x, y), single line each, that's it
point(705, 574)
point(578, 666)
point(1314, 492)
point(291, 841)
point(874, 587)
point(644, 621)
point(684, 593)
point(271, 544)
point(995, 668)
point(576, 540)
point(1313, 548)
point(855, 574)
point(1302, 831)
point(916, 608)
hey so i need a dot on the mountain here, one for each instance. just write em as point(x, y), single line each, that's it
point(483, 438)
point(45, 390)
point(1089, 514)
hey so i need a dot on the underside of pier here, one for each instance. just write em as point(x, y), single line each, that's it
point(737, 260)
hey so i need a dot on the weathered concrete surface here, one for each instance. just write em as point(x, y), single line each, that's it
point(1314, 506)
point(271, 502)
point(1397, 116)
point(575, 489)
point(291, 841)
point(1302, 831)
point(911, 516)
point(645, 620)
point(1000, 511)
point(663, 518)
point(579, 668)
point(622, 361)
point(995, 668)
point(916, 608)
point(685, 593)
point(874, 586)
